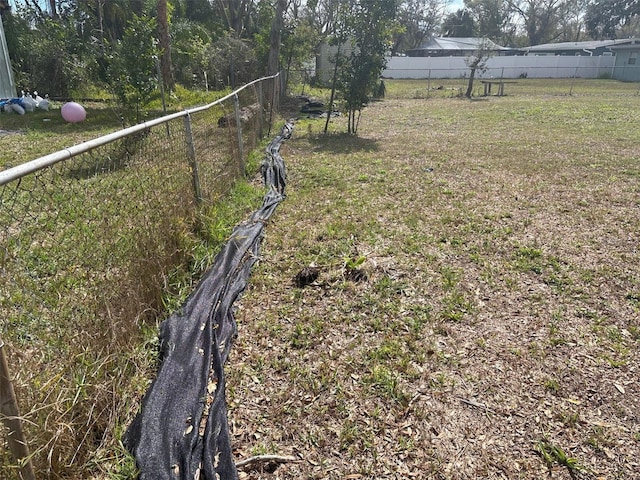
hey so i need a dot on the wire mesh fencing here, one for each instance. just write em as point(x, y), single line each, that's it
point(182, 431)
point(90, 239)
point(485, 85)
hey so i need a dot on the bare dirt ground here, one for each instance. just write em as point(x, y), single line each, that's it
point(476, 311)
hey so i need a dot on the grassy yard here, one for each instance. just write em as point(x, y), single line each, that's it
point(94, 252)
point(35, 134)
point(477, 308)
point(476, 311)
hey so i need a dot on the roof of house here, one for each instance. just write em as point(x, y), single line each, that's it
point(587, 45)
point(458, 44)
point(635, 44)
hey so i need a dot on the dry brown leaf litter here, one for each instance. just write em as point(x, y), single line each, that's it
point(498, 311)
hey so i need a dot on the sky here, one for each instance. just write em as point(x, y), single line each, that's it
point(44, 4)
point(455, 5)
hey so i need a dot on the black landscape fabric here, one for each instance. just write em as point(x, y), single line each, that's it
point(181, 431)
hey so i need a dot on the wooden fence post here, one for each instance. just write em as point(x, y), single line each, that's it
point(10, 415)
point(193, 161)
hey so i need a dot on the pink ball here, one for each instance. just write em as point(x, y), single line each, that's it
point(73, 112)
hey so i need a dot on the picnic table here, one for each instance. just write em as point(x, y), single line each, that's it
point(488, 83)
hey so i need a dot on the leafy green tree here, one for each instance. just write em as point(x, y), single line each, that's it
point(369, 25)
point(166, 65)
point(275, 37)
point(190, 43)
point(108, 19)
point(238, 16)
point(298, 38)
point(341, 37)
point(299, 43)
point(47, 54)
point(231, 61)
point(202, 12)
point(571, 21)
point(606, 18)
point(493, 20)
point(458, 24)
point(261, 39)
point(540, 18)
point(417, 20)
point(132, 64)
point(17, 34)
point(325, 16)
point(477, 62)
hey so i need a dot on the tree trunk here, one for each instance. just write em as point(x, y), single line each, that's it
point(12, 420)
point(333, 89)
point(470, 85)
point(54, 10)
point(276, 38)
point(165, 46)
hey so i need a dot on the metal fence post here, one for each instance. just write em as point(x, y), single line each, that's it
point(11, 418)
point(191, 151)
point(236, 107)
point(573, 80)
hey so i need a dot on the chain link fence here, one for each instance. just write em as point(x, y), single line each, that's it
point(91, 239)
point(486, 85)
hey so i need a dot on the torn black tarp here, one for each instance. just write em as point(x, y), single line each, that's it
point(181, 431)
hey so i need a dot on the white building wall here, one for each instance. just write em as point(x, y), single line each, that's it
point(501, 67)
point(325, 60)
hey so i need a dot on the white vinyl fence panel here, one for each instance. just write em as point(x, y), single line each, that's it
point(502, 67)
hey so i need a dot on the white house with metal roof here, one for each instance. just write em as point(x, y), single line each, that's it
point(627, 64)
point(589, 48)
point(457, 47)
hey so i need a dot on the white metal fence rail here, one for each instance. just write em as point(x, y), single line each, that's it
point(89, 237)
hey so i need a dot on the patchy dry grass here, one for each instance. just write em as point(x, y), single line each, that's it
point(492, 328)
